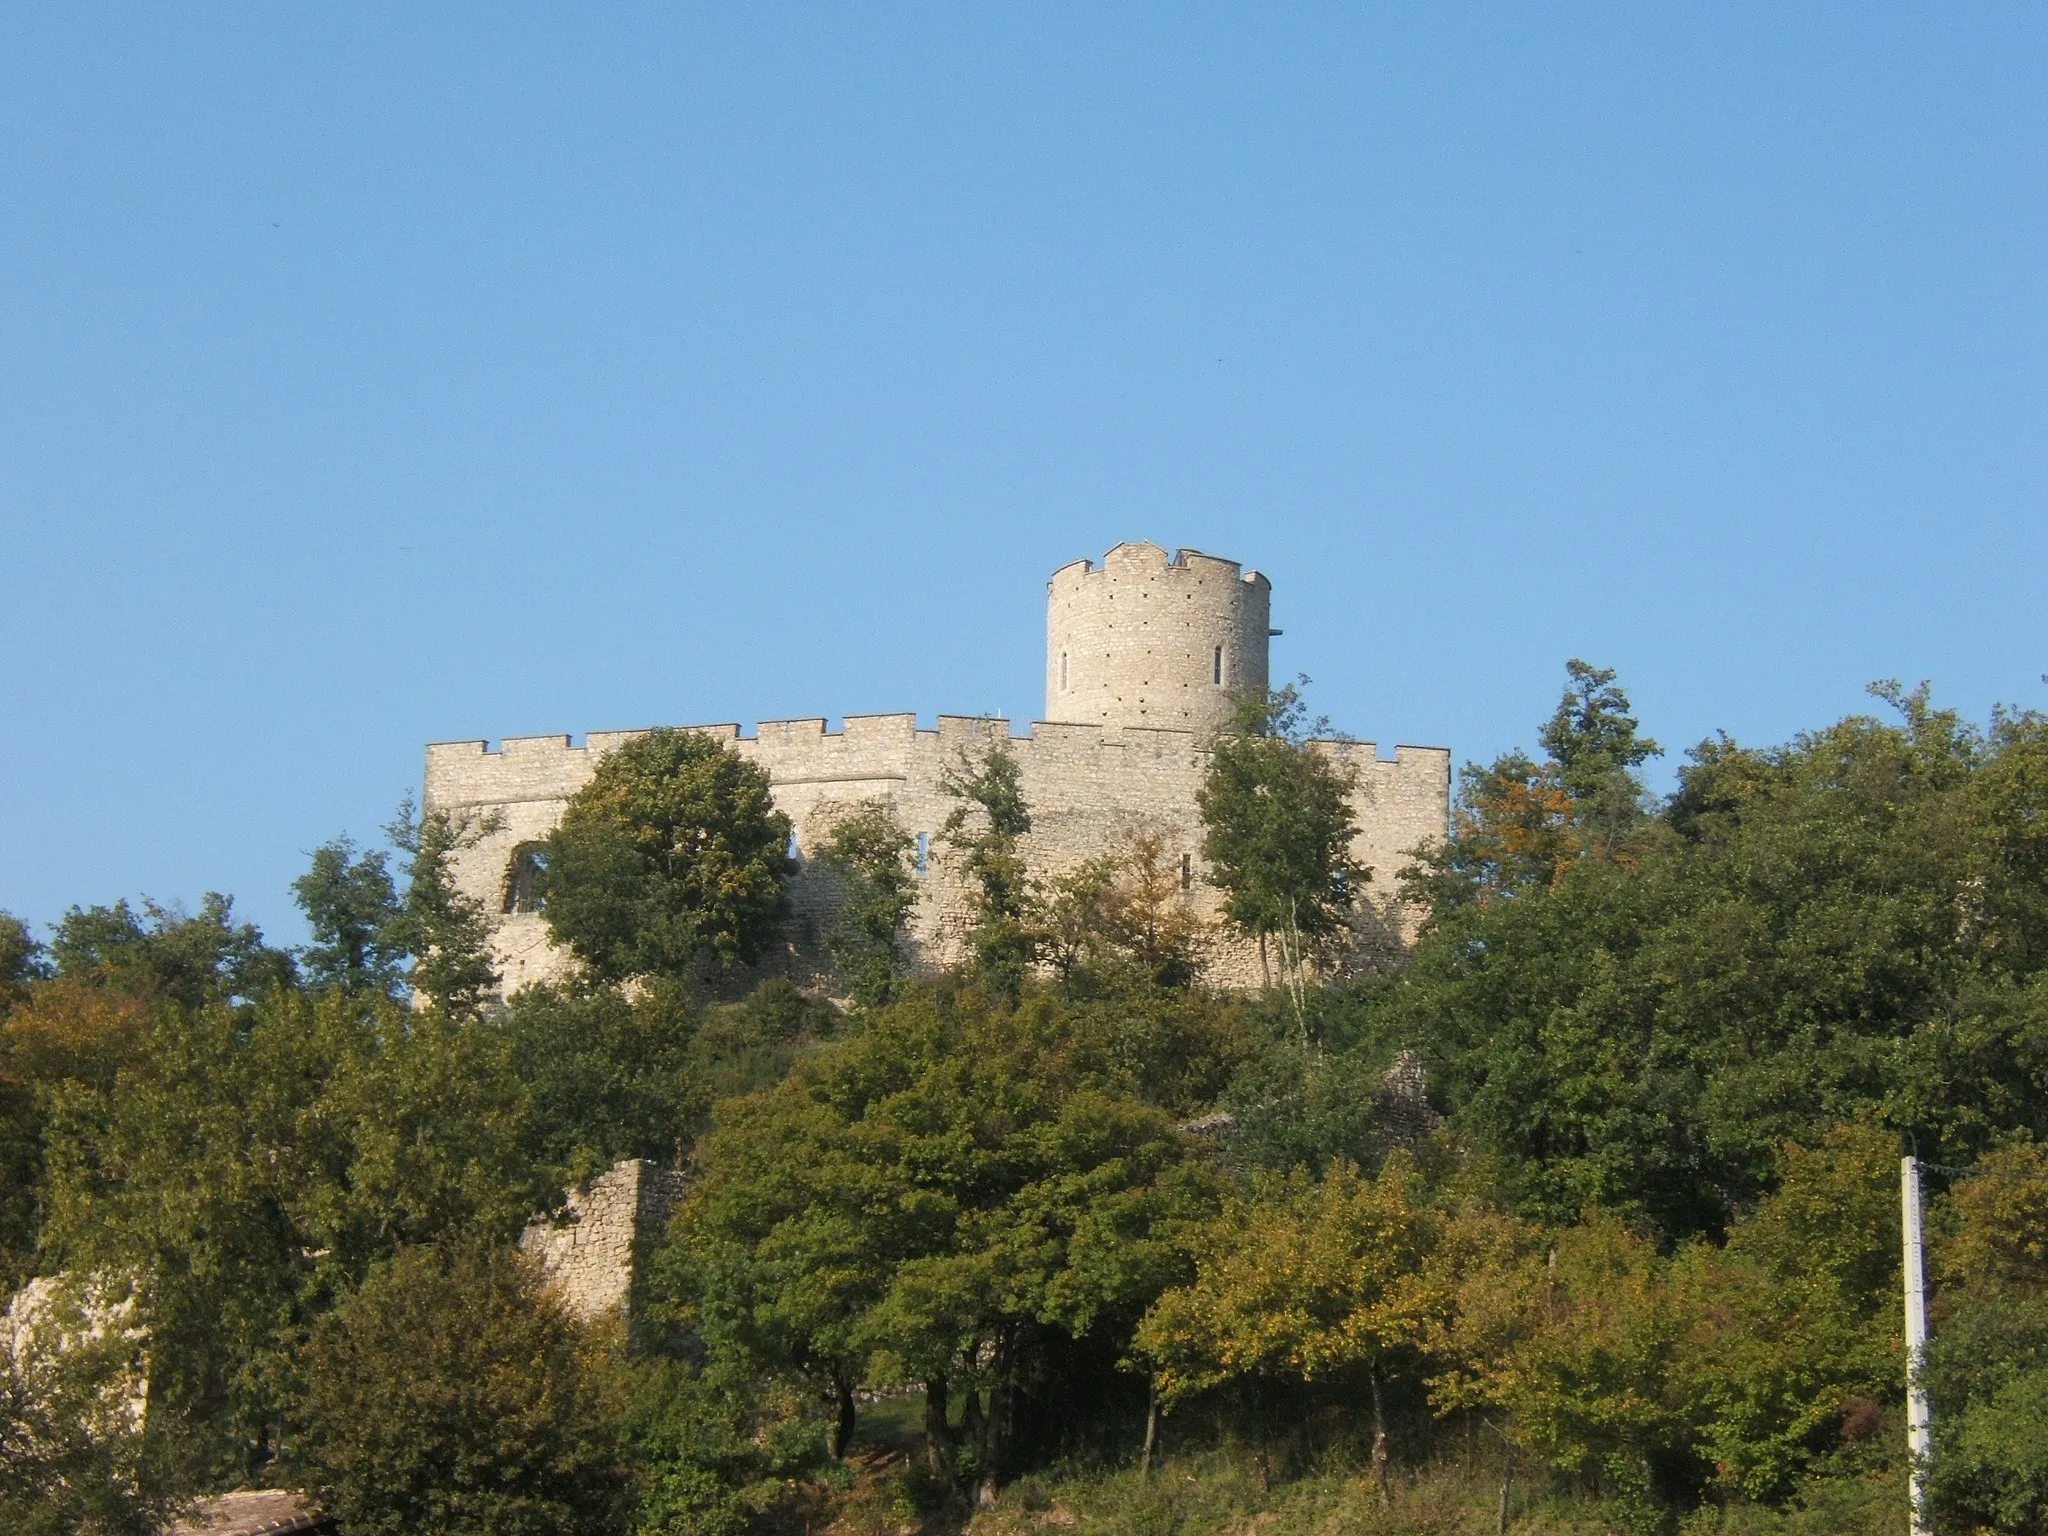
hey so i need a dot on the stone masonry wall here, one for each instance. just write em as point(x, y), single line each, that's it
point(1089, 786)
point(1144, 640)
point(591, 1253)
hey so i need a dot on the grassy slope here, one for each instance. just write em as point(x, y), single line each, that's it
point(1223, 1492)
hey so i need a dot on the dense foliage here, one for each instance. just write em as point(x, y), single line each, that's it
point(672, 856)
point(448, 1394)
point(1633, 1264)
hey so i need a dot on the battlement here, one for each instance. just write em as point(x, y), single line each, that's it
point(1144, 557)
point(456, 757)
point(1146, 655)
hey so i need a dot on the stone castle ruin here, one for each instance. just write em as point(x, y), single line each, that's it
point(1145, 654)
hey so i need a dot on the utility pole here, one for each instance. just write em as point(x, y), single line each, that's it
point(1919, 1429)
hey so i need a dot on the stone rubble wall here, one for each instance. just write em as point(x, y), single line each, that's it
point(1090, 788)
point(592, 1252)
point(53, 1315)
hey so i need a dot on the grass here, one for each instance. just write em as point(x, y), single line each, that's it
point(1227, 1491)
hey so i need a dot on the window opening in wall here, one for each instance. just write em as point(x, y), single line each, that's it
point(1063, 671)
point(1216, 667)
point(923, 853)
point(1187, 870)
point(525, 883)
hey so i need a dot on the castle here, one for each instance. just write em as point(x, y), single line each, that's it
point(1145, 653)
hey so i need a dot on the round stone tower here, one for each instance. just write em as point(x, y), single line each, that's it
point(1142, 639)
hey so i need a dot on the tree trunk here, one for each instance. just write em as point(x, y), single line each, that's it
point(1507, 1487)
point(1259, 1435)
point(973, 1426)
point(1291, 962)
point(1151, 1430)
point(1002, 1415)
point(938, 1435)
point(1379, 1436)
point(844, 1419)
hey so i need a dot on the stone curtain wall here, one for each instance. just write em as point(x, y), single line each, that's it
point(1090, 787)
point(590, 1255)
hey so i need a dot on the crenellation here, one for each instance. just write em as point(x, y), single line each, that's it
point(879, 730)
point(1093, 779)
point(533, 746)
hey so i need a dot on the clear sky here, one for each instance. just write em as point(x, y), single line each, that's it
point(378, 374)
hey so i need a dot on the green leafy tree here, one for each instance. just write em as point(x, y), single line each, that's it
point(610, 1076)
point(1988, 1375)
point(1302, 1279)
point(445, 930)
point(868, 850)
point(252, 1166)
point(785, 1244)
point(931, 1201)
point(1119, 918)
point(1519, 823)
point(713, 1445)
point(1794, 1321)
point(164, 952)
point(1804, 934)
point(1595, 749)
point(449, 1395)
point(986, 830)
point(67, 1036)
point(1987, 1364)
point(671, 856)
point(1277, 830)
point(21, 960)
point(1578, 1349)
point(353, 912)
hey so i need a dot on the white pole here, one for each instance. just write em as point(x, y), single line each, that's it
point(1919, 1430)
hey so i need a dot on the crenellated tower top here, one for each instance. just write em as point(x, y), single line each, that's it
point(1148, 639)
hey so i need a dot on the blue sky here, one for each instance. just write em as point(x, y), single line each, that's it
point(373, 375)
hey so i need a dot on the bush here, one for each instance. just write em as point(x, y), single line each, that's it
point(448, 1395)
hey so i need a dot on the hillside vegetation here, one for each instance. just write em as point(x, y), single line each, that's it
point(1063, 1239)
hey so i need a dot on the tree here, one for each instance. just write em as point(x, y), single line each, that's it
point(987, 829)
point(1793, 1323)
point(868, 849)
point(352, 910)
point(931, 1201)
point(1121, 916)
point(445, 930)
point(1987, 1364)
point(1301, 1279)
point(21, 959)
point(1594, 753)
point(610, 1076)
point(1277, 830)
point(1519, 824)
point(449, 1395)
point(672, 855)
point(163, 952)
point(65, 1036)
point(252, 1165)
point(1579, 1348)
point(1804, 934)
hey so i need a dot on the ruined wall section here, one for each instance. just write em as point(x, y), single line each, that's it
point(593, 1252)
point(1090, 787)
point(1146, 640)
